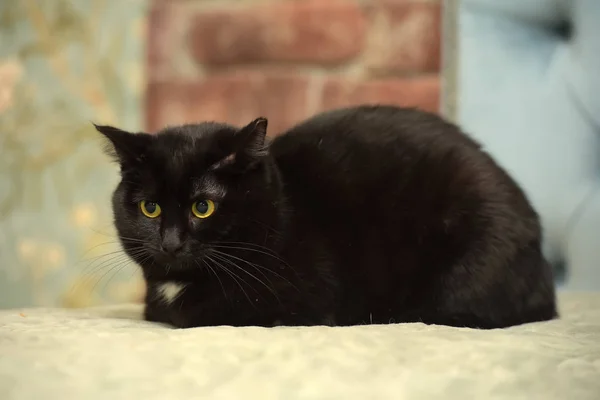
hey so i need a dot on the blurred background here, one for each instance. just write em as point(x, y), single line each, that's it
point(63, 64)
point(510, 71)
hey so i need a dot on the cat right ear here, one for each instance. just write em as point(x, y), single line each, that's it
point(124, 147)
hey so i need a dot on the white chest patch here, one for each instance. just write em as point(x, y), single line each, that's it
point(169, 291)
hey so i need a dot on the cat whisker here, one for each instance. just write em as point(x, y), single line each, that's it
point(233, 264)
point(143, 242)
point(86, 277)
point(102, 233)
point(133, 271)
point(214, 273)
point(93, 276)
point(226, 255)
point(260, 249)
point(111, 273)
point(98, 245)
point(273, 255)
point(97, 258)
point(92, 269)
point(115, 254)
point(126, 239)
point(116, 268)
point(247, 244)
point(265, 225)
point(256, 266)
point(132, 240)
point(234, 277)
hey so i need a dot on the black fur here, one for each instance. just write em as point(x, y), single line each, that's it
point(356, 216)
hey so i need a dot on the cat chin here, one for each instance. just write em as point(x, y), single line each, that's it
point(183, 265)
point(161, 269)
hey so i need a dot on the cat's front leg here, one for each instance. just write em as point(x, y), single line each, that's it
point(152, 313)
point(187, 306)
point(174, 314)
point(163, 300)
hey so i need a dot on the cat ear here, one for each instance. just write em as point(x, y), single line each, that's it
point(124, 147)
point(250, 140)
point(248, 148)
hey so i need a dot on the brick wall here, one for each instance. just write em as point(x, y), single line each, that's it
point(235, 60)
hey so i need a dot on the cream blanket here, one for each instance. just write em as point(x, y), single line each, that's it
point(108, 353)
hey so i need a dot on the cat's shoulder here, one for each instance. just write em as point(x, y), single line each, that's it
point(367, 115)
point(375, 124)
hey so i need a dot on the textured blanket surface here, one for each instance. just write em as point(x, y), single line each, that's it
point(109, 353)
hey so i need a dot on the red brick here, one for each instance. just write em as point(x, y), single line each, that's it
point(404, 36)
point(235, 97)
point(165, 38)
point(285, 98)
point(420, 92)
point(311, 31)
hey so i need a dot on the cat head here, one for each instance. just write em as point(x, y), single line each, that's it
point(190, 188)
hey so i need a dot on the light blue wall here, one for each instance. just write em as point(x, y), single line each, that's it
point(530, 94)
point(63, 63)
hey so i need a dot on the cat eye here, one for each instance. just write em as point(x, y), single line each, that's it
point(150, 209)
point(203, 208)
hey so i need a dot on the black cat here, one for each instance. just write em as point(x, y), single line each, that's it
point(372, 214)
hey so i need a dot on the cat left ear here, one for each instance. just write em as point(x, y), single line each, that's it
point(125, 147)
point(247, 149)
point(251, 139)
point(250, 144)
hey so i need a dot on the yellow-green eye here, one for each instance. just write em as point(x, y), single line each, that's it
point(203, 208)
point(150, 209)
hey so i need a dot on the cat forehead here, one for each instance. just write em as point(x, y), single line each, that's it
point(171, 147)
point(182, 159)
point(193, 132)
point(208, 184)
point(191, 144)
point(186, 171)
point(188, 164)
point(182, 185)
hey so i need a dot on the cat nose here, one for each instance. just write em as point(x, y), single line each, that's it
point(171, 243)
point(171, 247)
